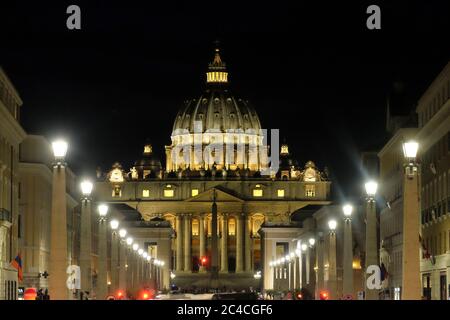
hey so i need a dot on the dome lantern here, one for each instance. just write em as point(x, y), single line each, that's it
point(217, 71)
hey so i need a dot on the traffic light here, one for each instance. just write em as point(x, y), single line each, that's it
point(323, 295)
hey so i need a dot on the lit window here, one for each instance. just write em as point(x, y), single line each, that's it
point(194, 192)
point(257, 192)
point(146, 193)
point(310, 191)
point(280, 193)
point(195, 227)
point(232, 227)
point(117, 191)
point(168, 193)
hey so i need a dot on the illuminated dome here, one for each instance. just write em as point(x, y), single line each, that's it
point(148, 166)
point(211, 118)
point(216, 108)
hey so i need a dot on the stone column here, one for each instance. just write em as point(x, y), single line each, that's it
point(435, 279)
point(291, 272)
point(129, 262)
point(187, 243)
point(179, 243)
point(332, 272)
point(102, 285)
point(239, 243)
point(448, 277)
point(58, 243)
point(371, 244)
point(312, 272)
point(296, 273)
point(2, 168)
point(114, 261)
point(202, 239)
point(304, 269)
point(411, 288)
point(347, 288)
point(320, 267)
point(248, 245)
point(85, 245)
point(214, 248)
point(122, 266)
point(224, 244)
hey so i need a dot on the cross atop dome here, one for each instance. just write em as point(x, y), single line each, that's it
point(217, 72)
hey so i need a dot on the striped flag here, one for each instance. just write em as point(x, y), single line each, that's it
point(17, 264)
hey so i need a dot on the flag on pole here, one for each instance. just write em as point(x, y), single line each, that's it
point(17, 264)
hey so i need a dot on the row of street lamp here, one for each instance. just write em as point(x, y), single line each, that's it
point(411, 229)
point(411, 262)
point(117, 283)
point(58, 250)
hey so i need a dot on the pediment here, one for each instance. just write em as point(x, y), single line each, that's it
point(220, 195)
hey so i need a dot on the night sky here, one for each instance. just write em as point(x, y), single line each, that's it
point(311, 69)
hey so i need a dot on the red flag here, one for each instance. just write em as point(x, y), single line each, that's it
point(17, 264)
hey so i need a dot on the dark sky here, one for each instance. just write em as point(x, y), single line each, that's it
point(311, 69)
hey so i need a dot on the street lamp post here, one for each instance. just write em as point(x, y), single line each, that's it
point(304, 263)
point(348, 251)
point(129, 265)
point(140, 270)
point(320, 265)
point(411, 224)
point(58, 242)
point(102, 285)
point(371, 235)
point(114, 255)
point(332, 272)
point(122, 282)
point(134, 268)
point(144, 262)
point(311, 263)
point(85, 237)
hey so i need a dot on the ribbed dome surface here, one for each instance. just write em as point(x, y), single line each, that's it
point(217, 109)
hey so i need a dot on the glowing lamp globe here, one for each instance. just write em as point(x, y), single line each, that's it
point(371, 188)
point(410, 149)
point(348, 209)
point(122, 233)
point(114, 224)
point(59, 149)
point(86, 187)
point(332, 224)
point(103, 210)
point(129, 241)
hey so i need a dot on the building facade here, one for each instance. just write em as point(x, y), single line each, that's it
point(35, 209)
point(11, 135)
point(217, 189)
point(433, 111)
point(432, 134)
point(391, 215)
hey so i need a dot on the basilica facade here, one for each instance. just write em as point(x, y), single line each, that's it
point(218, 187)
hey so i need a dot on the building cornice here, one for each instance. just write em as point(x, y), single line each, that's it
point(37, 168)
point(403, 133)
point(435, 128)
point(9, 127)
point(430, 93)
